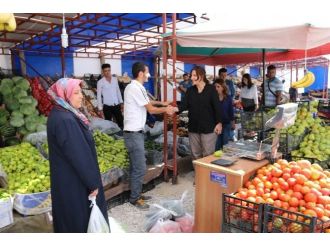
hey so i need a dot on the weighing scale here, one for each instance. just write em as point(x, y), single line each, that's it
point(284, 118)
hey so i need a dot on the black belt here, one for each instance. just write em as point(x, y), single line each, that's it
point(127, 131)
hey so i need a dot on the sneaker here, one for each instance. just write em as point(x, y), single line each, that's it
point(140, 204)
point(145, 198)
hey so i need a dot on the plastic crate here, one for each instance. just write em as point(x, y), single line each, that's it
point(277, 220)
point(323, 108)
point(287, 143)
point(240, 215)
point(256, 121)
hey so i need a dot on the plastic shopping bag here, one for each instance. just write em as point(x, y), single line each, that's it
point(166, 210)
point(167, 226)
point(156, 213)
point(97, 222)
point(186, 223)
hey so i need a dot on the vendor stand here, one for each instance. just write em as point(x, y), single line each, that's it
point(214, 180)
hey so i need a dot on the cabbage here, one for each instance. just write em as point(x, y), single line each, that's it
point(31, 118)
point(19, 93)
point(16, 121)
point(26, 100)
point(17, 78)
point(16, 90)
point(34, 102)
point(31, 127)
point(27, 109)
point(17, 114)
point(23, 84)
point(7, 82)
point(12, 104)
point(41, 127)
point(42, 119)
point(5, 89)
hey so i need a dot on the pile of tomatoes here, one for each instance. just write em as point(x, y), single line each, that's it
point(298, 187)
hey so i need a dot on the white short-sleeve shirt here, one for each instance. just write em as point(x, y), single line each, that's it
point(135, 113)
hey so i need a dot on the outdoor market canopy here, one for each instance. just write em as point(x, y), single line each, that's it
point(203, 43)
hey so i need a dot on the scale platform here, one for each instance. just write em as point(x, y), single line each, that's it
point(248, 149)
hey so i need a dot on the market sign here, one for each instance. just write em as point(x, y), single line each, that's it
point(219, 178)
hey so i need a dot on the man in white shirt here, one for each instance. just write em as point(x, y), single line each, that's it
point(136, 105)
point(109, 97)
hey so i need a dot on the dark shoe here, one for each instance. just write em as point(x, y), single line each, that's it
point(145, 198)
point(140, 204)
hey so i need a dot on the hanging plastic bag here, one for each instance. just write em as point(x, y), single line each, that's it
point(97, 222)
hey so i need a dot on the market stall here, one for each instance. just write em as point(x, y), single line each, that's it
point(211, 182)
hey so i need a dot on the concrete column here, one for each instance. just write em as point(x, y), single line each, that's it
point(23, 65)
point(102, 59)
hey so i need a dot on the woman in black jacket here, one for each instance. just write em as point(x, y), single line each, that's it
point(201, 100)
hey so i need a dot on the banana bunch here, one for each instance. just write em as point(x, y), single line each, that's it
point(306, 81)
point(7, 22)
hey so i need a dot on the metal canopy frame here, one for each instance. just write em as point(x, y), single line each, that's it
point(107, 35)
point(101, 35)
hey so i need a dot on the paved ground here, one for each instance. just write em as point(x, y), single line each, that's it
point(131, 219)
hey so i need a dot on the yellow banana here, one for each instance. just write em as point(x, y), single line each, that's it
point(311, 79)
point(7, 22)
point(301, 81)
point(11, 24)
point(4, 17)
point(306, 81)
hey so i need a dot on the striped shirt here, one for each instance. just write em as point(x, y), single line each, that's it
point(275, 85)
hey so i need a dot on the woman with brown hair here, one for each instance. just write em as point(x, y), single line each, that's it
point(249, 94)
point(201, 100)
point(225, 104)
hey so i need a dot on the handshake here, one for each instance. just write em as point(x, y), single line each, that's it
point(170, 110)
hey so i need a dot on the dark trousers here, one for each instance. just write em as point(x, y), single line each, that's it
point(113, 111)
point(249, 108)
point(224, 137)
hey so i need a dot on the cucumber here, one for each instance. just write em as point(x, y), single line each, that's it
point(7, 130)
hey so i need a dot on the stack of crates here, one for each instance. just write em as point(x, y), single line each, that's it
point(240, 215)
point(243, 216)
